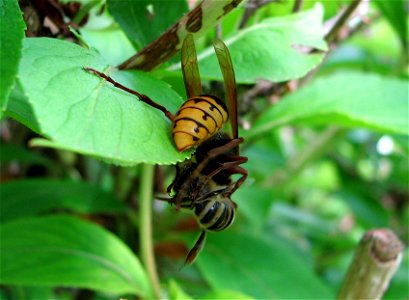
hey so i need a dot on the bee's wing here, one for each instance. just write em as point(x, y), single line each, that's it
point(190, 68)
point(226, 66)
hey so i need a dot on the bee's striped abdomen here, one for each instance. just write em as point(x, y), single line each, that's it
point(215, 215)
point(198, 119)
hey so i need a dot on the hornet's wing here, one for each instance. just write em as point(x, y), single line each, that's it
point(223, 55)
point(190, 68)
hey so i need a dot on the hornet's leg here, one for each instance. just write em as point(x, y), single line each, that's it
point(197, 247)
point(211, 155)
point(232, 167)
point(239, 182)
point(141, 97)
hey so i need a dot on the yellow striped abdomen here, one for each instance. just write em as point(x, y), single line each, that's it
point(215, 213)
point(198, 119)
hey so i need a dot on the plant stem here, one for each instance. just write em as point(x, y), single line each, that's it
point(170, 42)
point(297, 5)
point(251, 7)
point(145, 226)
point(332, 35)
point(376, 260)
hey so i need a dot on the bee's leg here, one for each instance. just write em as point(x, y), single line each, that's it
point(235, 185)
point(197, 247)
point(216, 152)
point(164, 198)
point(175, 181)
point(173, 201)
point(213, 154)
point(225, 148)
point(232, 167)
point(141, 97)
point(210, 155)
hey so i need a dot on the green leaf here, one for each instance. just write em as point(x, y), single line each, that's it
point(300, 220)
point(176, 292)
point(226, 294)
point(365, 207)
point(145, 20)
point(110, 41)
point(13, 153)
point(11, 36)
point(20, 109)
point(398, 286)
point(396, 14)
point(78, 111)
point(256, 212)
point(47, 194)
point(271, 49)
point(261, 269)
point(66, 251)
point(31, 292)
point(349, 99)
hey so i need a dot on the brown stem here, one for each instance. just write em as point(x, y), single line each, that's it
point(197, 22)
point(297, 5)
point(375, 262)
point(251, 7)
point(333, 33)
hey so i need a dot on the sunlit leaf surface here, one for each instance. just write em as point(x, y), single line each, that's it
point(93, 117)
point(349, 99)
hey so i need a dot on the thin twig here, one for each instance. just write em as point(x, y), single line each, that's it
point(332, 37)
point(297, 5)
point(251, 7)
point(340, 23)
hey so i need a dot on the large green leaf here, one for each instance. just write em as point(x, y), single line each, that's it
point(349, 99)
point(47, 194)
point(256, 212)
point(253, 266)
point(79, 111)
point(11, 36)
point(396, 14)
point(272, 49)
point(66, 251)
point(145, 20)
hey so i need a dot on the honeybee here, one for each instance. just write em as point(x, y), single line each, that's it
point(204, 182)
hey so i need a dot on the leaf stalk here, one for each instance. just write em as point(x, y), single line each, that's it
point(145, 218)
